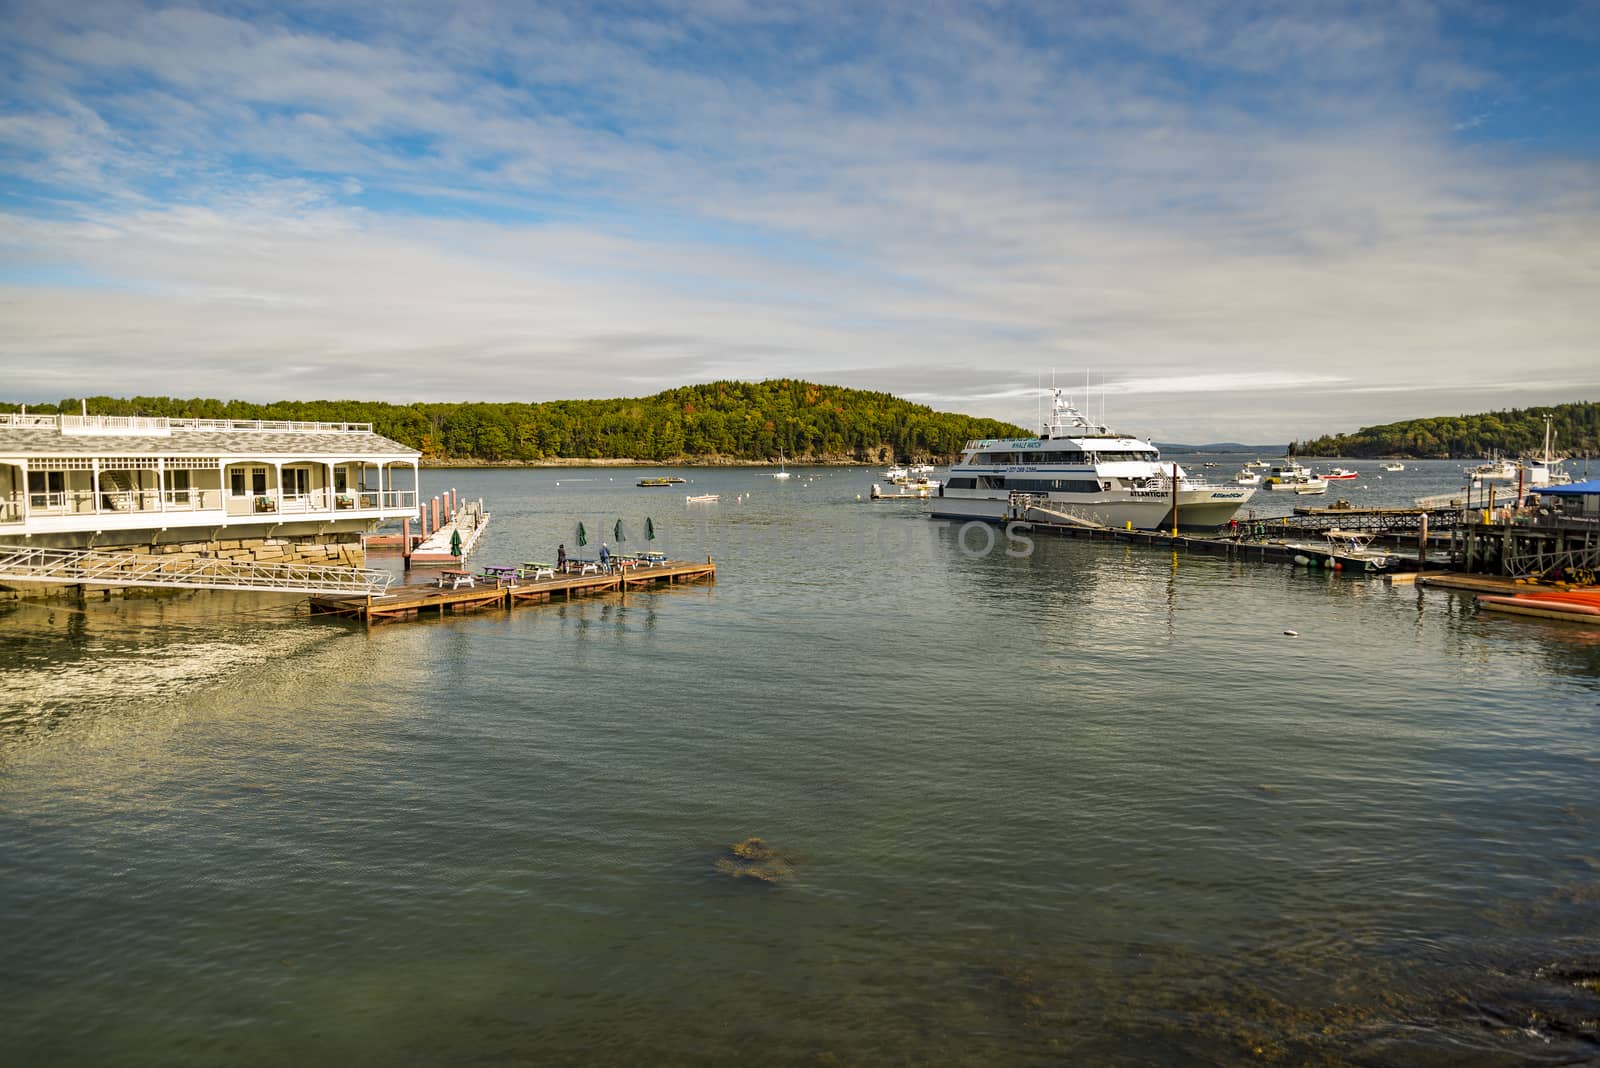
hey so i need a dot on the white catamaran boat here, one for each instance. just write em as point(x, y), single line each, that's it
point(1083, 471)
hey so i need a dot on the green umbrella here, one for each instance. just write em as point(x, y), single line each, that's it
point(455, 543)
point(649, 529)
point(583, 538)
point(616, 531)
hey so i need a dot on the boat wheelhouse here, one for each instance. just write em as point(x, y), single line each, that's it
point(75, 481)
point(1082, 471)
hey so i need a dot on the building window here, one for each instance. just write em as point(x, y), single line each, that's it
point(236, 481)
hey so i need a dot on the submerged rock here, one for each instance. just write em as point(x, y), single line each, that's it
point(753, 858)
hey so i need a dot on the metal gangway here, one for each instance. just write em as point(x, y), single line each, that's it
point(20, 563)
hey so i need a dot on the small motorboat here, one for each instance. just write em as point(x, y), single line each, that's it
point(704, 498)
point(1347, 550)
point(1395, 466)
point(1340, 473)
point(655, 482)
point(1246, 477)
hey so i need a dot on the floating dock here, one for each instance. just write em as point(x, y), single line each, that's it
point(410, 602)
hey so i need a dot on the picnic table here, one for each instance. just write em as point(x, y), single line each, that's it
point(450, 579)
point(582, 567)
point(536, 569)
point(502, 574)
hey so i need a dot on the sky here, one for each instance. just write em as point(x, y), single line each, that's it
point(1247, 221)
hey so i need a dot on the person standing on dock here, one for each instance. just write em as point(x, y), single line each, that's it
point(605, 557)
point(561, 557)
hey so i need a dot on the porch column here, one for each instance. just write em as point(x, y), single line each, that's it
point(161, 483)
point(94, 482)
point(277, 474)
point(329, 498)
point(27, 498)
point(381, 466)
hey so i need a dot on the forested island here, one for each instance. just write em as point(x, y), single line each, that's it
point(718, 422)
point(1516, 432)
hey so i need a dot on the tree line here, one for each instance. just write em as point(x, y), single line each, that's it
point(1515, 432)
point(752, 421)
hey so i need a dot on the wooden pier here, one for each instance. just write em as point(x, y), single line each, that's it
point(1262, 540)
point(411, 602)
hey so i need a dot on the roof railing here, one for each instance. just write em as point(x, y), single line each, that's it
point(162, 426)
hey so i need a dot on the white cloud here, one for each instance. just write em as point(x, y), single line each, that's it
point(516, 201)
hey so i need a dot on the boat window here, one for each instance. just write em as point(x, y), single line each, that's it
point(962, 483)
point(1054, 485)
point(992, 482)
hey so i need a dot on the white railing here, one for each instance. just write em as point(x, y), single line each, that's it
point(11, 508)
point(161, 425)
point(23, 564)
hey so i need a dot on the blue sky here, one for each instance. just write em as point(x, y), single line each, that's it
point(1250, 220)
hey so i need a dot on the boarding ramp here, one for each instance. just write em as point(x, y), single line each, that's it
point(97, 568)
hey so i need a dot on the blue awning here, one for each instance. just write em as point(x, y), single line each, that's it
point(1577, 489)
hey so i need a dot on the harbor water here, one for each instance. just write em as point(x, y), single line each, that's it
point(1040, 802)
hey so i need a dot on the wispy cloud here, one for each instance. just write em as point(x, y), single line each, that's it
point(1267, 206)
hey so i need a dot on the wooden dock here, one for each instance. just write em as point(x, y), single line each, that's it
point(411, 602)
point(1264, 541)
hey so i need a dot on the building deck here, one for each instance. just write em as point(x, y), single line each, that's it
point(410, 602)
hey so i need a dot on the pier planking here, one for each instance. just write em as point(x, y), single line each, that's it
point(411, 602)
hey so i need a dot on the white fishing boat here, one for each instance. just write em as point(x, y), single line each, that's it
point(921, 469)
point(704, 498)
point(1495, 470)
point(1394, 466)
point(1246, 477)
point(1259, 465)
point(1078, 471)
point(1544, 470)
point(1289, 476)
point(896, 472)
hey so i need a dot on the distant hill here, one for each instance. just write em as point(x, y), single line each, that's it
point(1518, 431)
point(716, 422)
point(1220, 446)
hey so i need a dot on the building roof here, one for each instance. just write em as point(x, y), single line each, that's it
point(1574, 489)
point(73, 436)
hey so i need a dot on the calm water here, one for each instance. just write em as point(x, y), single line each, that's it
point(1087, 805)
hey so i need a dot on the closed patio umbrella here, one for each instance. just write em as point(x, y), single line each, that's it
point(649, 529)
point(455, 543)
point(583, 537)
point(616, 531)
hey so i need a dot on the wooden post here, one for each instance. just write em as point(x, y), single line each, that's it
point(1422, 543)
point(1174, 500)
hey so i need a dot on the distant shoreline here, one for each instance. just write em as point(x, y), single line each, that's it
point(556, 463)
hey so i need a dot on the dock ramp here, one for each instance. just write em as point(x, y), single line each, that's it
point(97, 568)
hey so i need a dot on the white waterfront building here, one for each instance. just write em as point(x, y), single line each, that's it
point(95, 481)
